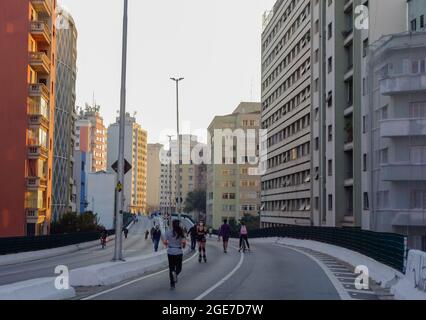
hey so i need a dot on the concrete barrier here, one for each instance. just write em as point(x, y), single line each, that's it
point(37, 289)
point(413, 285)
point(23, 257)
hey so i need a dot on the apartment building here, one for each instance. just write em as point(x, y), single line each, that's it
point(89, 120)
point(233, 185)
point(286, 114)
point(396, 132)
point(154, 177)
point(191, 168)
point(28, 41)
point(136, 153)
point(416, 15)
point(64, 198)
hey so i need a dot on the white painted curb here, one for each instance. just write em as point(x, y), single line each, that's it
point(37, 289)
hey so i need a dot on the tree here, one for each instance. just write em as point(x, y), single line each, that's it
point(72, 222)
point(196, 202)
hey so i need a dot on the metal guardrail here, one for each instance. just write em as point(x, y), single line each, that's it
point(27, 244)
point(387, 248)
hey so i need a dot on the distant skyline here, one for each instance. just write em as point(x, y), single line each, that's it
point(215, 45)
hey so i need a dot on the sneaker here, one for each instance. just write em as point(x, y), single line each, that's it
point(205, 259)
point(199, 259)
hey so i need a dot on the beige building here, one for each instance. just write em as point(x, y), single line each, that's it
point(233, 186)
point(136, 153)
point(191, 170)
point(154, 177)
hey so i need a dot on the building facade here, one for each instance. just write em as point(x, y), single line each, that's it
point(416, 15)
point(27, 115)
point(233, 185)
point(90, 120)
point(136, 153)
point(286, 114)
point(100, 196)
point(63, 199)
point(397, 136)
point(154, 177)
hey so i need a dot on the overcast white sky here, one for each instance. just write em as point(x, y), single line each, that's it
point(214, 44)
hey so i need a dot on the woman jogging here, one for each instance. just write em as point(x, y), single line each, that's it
point(201, 238)
point(175, 242)
point(243, 237)
point(225, 232)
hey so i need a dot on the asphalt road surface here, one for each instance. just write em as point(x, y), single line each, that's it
point(268, 272)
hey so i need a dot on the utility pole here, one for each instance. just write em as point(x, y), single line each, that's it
point(118, 250)
point(169, 218)
point(178, 191)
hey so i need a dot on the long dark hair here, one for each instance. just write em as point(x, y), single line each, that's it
point(177, 230)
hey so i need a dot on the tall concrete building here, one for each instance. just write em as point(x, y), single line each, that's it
point(154, 177)
point(191, 168)
point(394, 137)
point(63, 199)
point(286, 114)
point(136, 153)
point(233, 185)
point(28, 45)
point(90, 121)
point(416, 15)
point(167, 184)
point(341, 32)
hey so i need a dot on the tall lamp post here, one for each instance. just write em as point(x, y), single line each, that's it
point(170, 181)
point(118, 250)
point(178, 191)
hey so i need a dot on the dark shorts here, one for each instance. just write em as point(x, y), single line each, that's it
point(225, 238)
point(201, 239)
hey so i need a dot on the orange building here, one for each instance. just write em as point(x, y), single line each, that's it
point(27, 55)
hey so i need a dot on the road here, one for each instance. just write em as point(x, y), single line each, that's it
point(134, 245)
point(269, 272)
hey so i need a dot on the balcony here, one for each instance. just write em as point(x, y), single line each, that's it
point(39, 90)
point(37, 152)
point(403, 172)
point(35, 183)
point(40, 32)
point(40, 62)
point(42, 6)
point(403, 127)
point(38, 116)
point(403, 84)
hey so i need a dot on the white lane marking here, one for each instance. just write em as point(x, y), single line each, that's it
point(344, 295)
point(208, 291)
point(133, 281)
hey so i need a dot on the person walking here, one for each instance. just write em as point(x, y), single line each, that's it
point(202, 239)
point(225, 233)
point(156, 237)
point(193, 235)
point(243, 236)
point(175, 242)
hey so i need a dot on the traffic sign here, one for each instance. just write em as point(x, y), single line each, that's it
point(127, 166)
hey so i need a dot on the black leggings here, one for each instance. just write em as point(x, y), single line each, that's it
point(244, 237)
point(175, 264)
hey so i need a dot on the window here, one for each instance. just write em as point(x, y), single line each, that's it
point(330, 30)
point(366, 201)
point(365, 48)
point(330, 168)
point(422, 21)
point(330, 65)
point(414, 25)
point(364, 162)
point(330, 202)
point(330, 133)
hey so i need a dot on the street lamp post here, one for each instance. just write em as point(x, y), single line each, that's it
point(170, 181)
point(178, 190)
point(118, 250)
